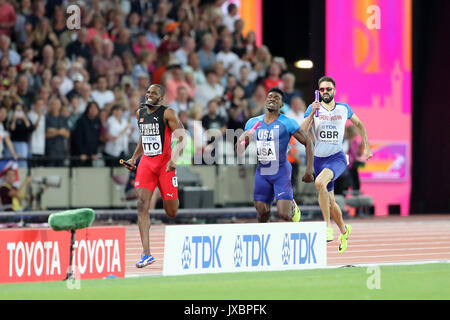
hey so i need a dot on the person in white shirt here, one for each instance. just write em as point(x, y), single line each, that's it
point(101, 94)
point(210, 90)
point(228, 57)
point(37, 140)
point(232, 15)
point(118, 131)
point(182, 54)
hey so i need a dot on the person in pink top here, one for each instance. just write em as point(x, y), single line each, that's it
point(142, 44)
point(177, 80)
point(7, 18)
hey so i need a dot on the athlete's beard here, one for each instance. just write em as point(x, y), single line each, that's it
point(328, 99)
point(152, 105)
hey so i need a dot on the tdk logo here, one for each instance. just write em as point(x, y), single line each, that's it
point(298, 248)
point(202, 254)
point(254, 248)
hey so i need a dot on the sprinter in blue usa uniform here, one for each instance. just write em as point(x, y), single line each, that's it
point(273, 174)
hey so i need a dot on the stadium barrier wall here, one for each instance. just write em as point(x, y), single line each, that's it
point(250, 247)
point(43, 254)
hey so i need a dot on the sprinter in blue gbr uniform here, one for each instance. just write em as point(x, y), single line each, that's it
point(273, 174)
point(330, 162)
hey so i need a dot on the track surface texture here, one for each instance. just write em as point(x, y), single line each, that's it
point(374, 240)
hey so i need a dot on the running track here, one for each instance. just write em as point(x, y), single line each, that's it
point(374, 240)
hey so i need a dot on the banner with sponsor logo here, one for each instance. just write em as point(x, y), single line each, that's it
point(191, 249)
point(43, 254)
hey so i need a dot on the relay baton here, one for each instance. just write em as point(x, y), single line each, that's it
point(316, 93)
point(252, 130)
point(126, 164)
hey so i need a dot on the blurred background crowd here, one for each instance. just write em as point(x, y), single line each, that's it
point(70, 96)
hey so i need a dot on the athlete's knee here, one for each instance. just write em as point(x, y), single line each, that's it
point(171, 212)
point(263, 211)
point(320, 185)
point(142, 205)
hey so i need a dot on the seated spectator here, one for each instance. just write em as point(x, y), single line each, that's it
point(194, 67)
point(206, 54)
point(122, 43)
point(57, 134)
point(238, 110)
point(245, 83)
point(107, 62)
point(24, 92)
point(98, 29)
point(177, 80)
point(182, 101)
point(67, 83)
point(117, 131)
point(170, 41)
point(187, 46)
point(232, 82)
point(273, 79)
point(144, 65)
point(42, 35)
point(85, 139)
point(289, 88)
point(80, 47)
point(152, 33)
point(256, 103)
point(133, 24)
point(142, 44)
point(7, 19)
point(228, 57)
point(37, 140)
point(297, 112)
point(5, 50)
point(20, 129)
point(210, 90)
point(213, 123)
point(231, 16)
point(11, 196)
point(4, 135)
point(102, 95)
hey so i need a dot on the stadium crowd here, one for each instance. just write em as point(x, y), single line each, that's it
point(73, 94)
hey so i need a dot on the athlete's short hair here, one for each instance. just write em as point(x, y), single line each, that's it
point(162, 90)
point(327, 79)
point(277, 90)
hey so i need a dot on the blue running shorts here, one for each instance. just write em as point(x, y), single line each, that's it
point(336, 162)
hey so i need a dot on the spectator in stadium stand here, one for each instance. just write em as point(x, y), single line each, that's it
point(262, 61)
point(175, 81)
point(212, 122)
point(232, 82)
point(142, 7)
point(118, 133)
point(4, 135)
point(210, 90)
point(231, 16)
point(101, 94)
point(7, 18)
point(206, 54)
point(182, 54)
point(170, 40)
point(144, 65)
point(244, 82)
point(78, 81)
point(133, 25)
point(67, 83)
point(57, 134)
point(75, 112)
point(182, 101)
point(297, 112)
point(162, 62)
point(37, 140)
point(85, 140)
point(38, 12)
point(151, 32)
point(98, 29)
point(122, 43)
point(227, 56)
point(20, 129)
point(289, 87)
point(257, 102)
point(194, 67)
point(20, 28)
point(58, 21)
point(239, 46)
point(238, 110)
point(23, 91)
point(6, 50)
point(107, 61)
point(142, 44)
point(80, 47)
point(273, 79)
point(10, 196)
point(162, 11)
point(42, 36)
point(116, 22)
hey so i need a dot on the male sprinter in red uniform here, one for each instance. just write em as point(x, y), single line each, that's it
point(156, 167)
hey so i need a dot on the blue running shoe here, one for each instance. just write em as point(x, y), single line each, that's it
point(145, 261)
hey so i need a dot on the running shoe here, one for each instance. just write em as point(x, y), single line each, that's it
point(330, 234)
point(145, 261)
point(297, 213)
point(343, 239)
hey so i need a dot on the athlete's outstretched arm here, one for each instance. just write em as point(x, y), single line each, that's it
point(358, 123)
point(179, 133)
point(304, 139)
